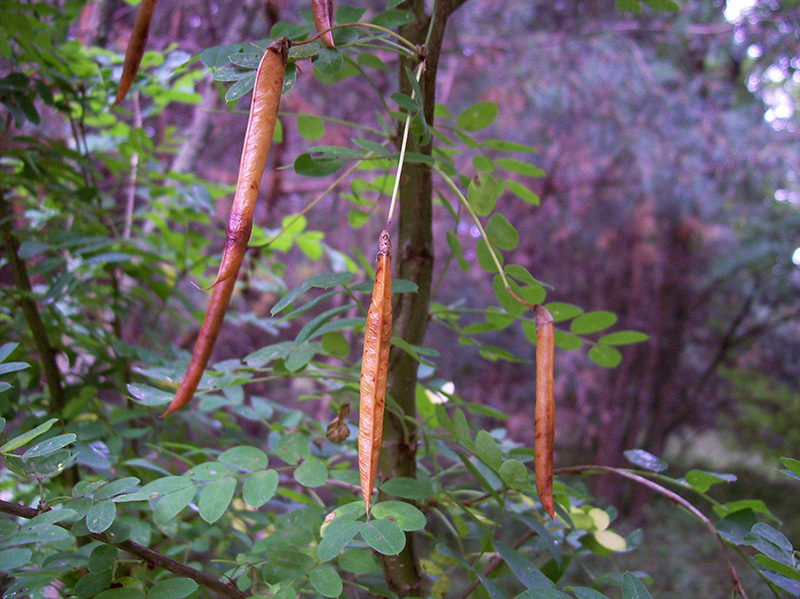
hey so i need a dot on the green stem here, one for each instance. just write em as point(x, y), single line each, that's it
point(674, 497)
point(451, 184)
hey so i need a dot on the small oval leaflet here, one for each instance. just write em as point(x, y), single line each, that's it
point(100, 516)
point(405, 515)
point(384, 536)
point(260, 487)
point(174, 588)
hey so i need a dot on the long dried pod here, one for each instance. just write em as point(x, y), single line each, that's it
point(135, 50)
point(322, 11)
point(545, 416)
point(374, 369)
point(257, 139)
point(260, 127)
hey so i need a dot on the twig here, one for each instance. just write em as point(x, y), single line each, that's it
point(47, 354)
point(737, 585)
point(143, 553)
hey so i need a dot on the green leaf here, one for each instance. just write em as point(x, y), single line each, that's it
point(487, 451)
point(663, 5)
point(260, 487)
point(92, 583)
point(408, 488)
point(170, 504)
point(307, 166)
point(371, 61)
point(293, 447)
point(629, 6)
point(702, 481)
point(562, 311)
point(218, 56)
point(328, 62)
point(633, 588)
point(358, 561)
point(645, 459)
point(149, 396)
point(336, 538)
point(482, 193)
point(514, 474)
point(770, 542)
point(173, 588)
point(215, 497)
point(623, 338)
point(393, 18)
point(542, 594)
point(405, 515)
point(477, 117)
point(384, 536)
point(13, 367)
point(792, 467)
point(335, 344)
point(121, 593)
point(246, 60)
point(241, 87)
point(501, 233)
point(523, 568)
point(605, 356)
point(245, 458)
point(522, 192)
point(586, 593)
point(24, 438)
point(566, 341)
point(326, 581)
point(518, 167)
point(116, 487)
point(503, 145)
point(311, 473)
point(16, 557)
point(357, 218)
point(735, 526)
point(49, 446)
point(776, 566)
point(591, 322)
point(6, 349)
point(101, 516)
point(310, 126)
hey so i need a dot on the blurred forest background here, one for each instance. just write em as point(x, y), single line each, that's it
point(671, 153)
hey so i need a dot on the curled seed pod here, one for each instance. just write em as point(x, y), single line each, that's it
point(135, 50)
point(337, 430)
point(374, 370)
point(544, 421)
point(260, 126)
point(322, 11)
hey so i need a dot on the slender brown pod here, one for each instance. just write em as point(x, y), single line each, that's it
point(260, 127)
point(374, 369)
point(322, 11)
point(257, 139)
point(544, 421)
point(135, 50)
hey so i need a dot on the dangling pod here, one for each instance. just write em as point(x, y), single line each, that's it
point(260, 127)
point(545, 413)
point(374, 369)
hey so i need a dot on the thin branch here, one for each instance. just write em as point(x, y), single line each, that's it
point(145, 554)
point(674, 497)
point(47, 354)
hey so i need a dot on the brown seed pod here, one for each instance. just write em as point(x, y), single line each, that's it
point(322, 11)
point(337, 430)
point(260, 127)
point(544, 421)
point(135, 50)
point(374, 370)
